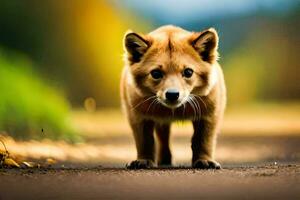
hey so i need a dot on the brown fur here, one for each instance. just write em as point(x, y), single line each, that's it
point(171, 50)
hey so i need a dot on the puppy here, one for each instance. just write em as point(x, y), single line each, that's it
point(172, 74)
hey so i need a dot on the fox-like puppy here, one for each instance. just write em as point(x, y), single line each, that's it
point(173, 74)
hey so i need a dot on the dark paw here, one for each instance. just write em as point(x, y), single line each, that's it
point(140, 164)
point(206, 164)
point(165, 165)
point(165, 162)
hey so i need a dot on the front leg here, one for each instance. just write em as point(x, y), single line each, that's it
point(163, 137)
point(144, 140)
point(203, 144)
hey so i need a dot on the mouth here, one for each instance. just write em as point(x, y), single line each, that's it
point(171, 104)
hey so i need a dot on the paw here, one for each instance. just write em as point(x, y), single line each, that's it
point(206, 164)
point(140, 164)
point(165, 161)
point(164, 164)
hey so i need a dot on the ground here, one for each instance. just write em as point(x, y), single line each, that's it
point(260, 155)
point(238, 182)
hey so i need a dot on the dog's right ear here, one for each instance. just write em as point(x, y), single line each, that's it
point(135, 46)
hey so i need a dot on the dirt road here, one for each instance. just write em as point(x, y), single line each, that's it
point(247, 182)
point(248, 160)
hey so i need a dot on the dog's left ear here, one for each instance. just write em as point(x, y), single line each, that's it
point(206, 44)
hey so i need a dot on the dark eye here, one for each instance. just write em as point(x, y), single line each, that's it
point(188, 72)
point(156, 74)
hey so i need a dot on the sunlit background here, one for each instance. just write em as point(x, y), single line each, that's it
point(60, 65)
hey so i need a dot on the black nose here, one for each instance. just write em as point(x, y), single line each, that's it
point(172, 94)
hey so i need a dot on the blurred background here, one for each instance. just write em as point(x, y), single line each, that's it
point(60, 65)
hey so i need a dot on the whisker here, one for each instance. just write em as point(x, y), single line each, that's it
point(156, 103)
point(153, 101)
point(198, 105)
point(193, 100)
point(191, 104)
point(183, 112)
point(140, 103)
point(200, 98)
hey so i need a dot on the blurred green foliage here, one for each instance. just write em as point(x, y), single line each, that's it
point(264, 67)
point(77, 45)
point(28, 104)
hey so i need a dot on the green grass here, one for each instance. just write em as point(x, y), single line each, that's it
point(28, 104)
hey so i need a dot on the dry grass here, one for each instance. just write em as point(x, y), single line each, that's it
point(263, 119)
point(109, 140)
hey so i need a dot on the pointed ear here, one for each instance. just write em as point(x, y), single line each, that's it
point(135, 46)
point(206, 44)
